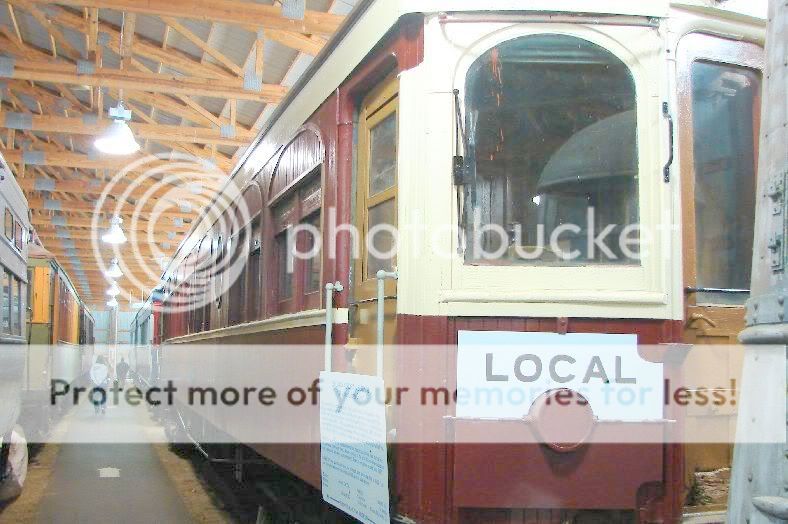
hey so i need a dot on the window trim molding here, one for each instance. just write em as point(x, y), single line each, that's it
point(450, 287)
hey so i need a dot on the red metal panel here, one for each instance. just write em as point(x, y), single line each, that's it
point(439, 483)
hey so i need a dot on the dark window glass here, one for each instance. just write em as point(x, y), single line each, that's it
point(286, 264)
point(381, 254)
point(253, 289)
point(237, 272)
point(9, 225)
point(18, 235)
point(16, 308)
point(724, 113)
point(6, 303)
point(383, 155)
point(552, 152)
point(312, 263)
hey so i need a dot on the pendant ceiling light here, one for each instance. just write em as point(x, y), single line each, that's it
point(112, 302)
point(114, 269)
point(113, 290)
point(118, 139)
point(115, 234)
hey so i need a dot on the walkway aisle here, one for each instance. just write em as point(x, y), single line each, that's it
point(116, 482)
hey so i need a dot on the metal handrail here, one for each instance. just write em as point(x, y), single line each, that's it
point(331, 288)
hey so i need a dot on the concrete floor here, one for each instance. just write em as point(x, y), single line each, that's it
point(120, 482)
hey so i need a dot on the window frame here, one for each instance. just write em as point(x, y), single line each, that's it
point(17, 322)
point(254, 265)
point(5, 309)
point(8, 225)
point(18, 235)
point(451, 287)
point(381, 103)
point(292, 198)
point(496, 180)
point(721, 51)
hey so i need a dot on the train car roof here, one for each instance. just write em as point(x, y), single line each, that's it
point(368, 23)
point(39, 252)
point(11, 191)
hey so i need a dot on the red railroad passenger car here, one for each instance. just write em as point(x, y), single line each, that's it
point(447, 120)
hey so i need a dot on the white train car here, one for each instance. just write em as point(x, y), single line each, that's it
point(13, 306)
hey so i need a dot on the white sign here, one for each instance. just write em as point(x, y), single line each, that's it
point(501, 373)
point(109, 473)
point(353, 463)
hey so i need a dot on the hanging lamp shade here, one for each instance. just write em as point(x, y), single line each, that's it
point(114, 269)
point(115, 233)
point(118, 138)
point(113, 290)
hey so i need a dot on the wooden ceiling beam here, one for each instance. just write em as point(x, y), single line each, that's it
point(35, 92)
point(227, 11)
point(90, 207)
point(186, 108)
point(127, 45)
point(174, 58)
point(78, 160)
point(95, 274)
point(145, 251)
point(76, 223)
point(89, 261)
point(83, 187)
point(56, 233)
point(64, 73)
point(310, 45)
point(170, 133)
point(203, 45)
point(60, 45)
point(81, 161)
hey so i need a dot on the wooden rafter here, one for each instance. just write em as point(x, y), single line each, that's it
point(203, 45)
point(174, 196)
point(108, 210)
point(64, 73)
point(82, 161)
point(169, 133)
point(228, 11)
point(74, 223)
point(52, 233)
point(174, 86)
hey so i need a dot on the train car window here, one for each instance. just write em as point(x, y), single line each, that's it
point(378, 155)
point(16, 309)
point(254, 292)
point(552, 142)
point(237, 253)
point(312, 271)
point(18, 235)
point(284, 268)
point(724, 99)
point(296, 202)
point(203, 284)
point(6, 303)
point(285, 217)
point(311, 199)
point(251, 291)
point(9, 225)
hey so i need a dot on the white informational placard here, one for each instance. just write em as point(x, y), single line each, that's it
point(501, 373)
point(353, 463)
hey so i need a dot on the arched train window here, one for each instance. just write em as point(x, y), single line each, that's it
point(552, 154)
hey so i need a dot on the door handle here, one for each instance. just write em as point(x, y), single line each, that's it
point(669, 117)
